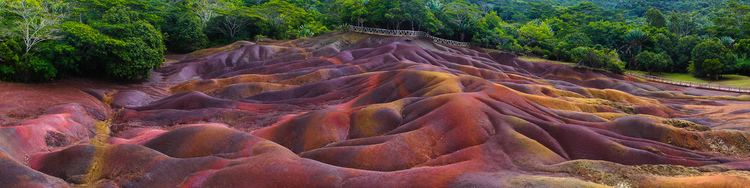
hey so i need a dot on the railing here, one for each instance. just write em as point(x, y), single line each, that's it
point(692, 84)
point(406, 33)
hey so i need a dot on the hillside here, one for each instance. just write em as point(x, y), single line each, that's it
point(354, 110)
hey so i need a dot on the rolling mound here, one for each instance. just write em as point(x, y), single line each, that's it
point(355, 110)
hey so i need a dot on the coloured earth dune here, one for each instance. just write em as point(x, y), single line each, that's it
point(354, 110)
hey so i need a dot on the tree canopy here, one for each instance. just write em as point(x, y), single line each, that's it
point(122, 40)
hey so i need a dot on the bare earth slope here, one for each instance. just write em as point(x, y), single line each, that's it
point(352, 110)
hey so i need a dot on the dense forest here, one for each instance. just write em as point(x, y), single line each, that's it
point(123, 40)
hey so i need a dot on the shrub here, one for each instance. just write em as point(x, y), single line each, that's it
point(132, 60)
point(8, 59)
point(90, 48)
point(61, 55)
point(535, 34)
point(184, 33)
point(604, 58)
point(310, 29)
point(653, 62)
point(563, 47)
point(120, 47)
point(23, 68)
point(36, 69)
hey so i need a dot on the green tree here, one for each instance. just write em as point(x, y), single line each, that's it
point(732, 20)
point(89, 11)
point(682, 24)
point(713, 68)
point(541, 10)
point(634, 40)
point(683, 51)
point(743, 48)
point(36, 21)
point(283, 20)
point(121, 46)
point(415, 13)
point(661, 40)
point(604, 58)
point(232, 24)
point(385, 13)
point(656, 18)
point(349, 11)
point(606, 33)
point(709, 56)
point(183, 32)
point(743, 66)
point(653, 62)
point(563, 47)
point(586, 12)
point(137, 47)
point(462, 15)
point(536, 36)
point(493, 32)
point(8, 58)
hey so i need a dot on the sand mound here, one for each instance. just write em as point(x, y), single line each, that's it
point(352, 110)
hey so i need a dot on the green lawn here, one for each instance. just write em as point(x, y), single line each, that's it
point(541, 60)
point(731, 80)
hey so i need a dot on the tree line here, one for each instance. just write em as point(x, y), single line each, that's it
point(43, 40)
point(123, 40)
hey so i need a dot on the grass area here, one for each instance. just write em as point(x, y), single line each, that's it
point(731, 80)
point(541, 60)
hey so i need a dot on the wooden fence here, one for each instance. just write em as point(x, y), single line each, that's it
point(406, 33)
point(692, 84)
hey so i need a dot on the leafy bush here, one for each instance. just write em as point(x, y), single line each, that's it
point(569, 42)
point(8, 59)
point(90, 48)
point(311, 29)
point(535, 33)
point(605, 58)
point(183, 33)
point(653, 62)
point(492, 32)
point(61, 55)
point(36, 69)
point(120, 47)
point(23, 68)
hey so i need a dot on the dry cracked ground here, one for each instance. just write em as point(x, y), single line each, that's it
point(353, 110)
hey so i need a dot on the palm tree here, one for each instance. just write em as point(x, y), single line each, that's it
point(634, 42)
